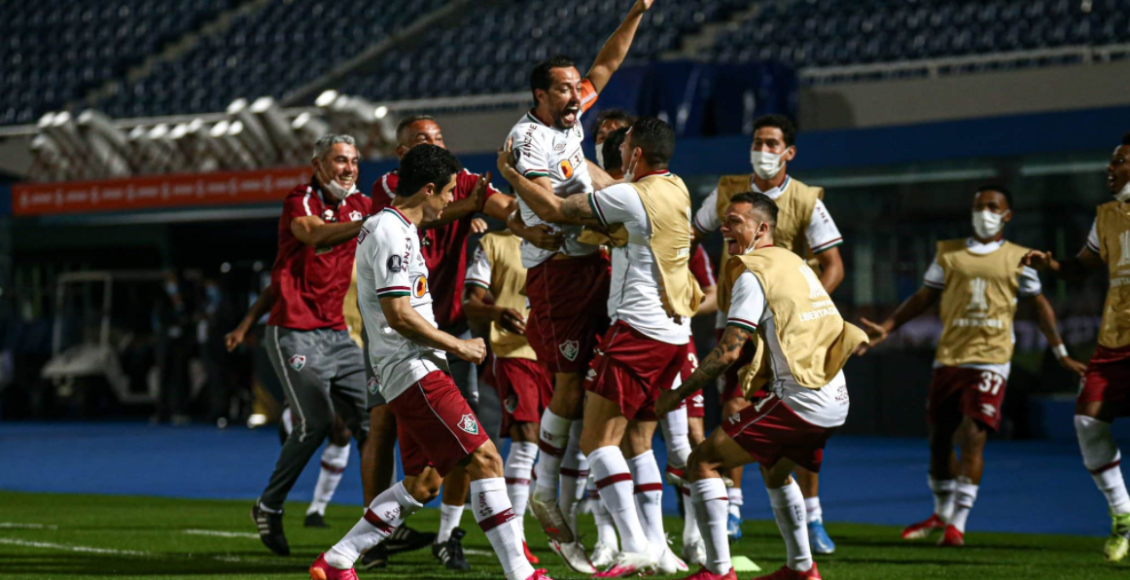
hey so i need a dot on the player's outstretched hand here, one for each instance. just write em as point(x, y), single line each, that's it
point(506, 162)
point(234, 338)
point(512, 321)
point(479, 194)
point(643, 5)
point(668, 401)
point(1038, 260)
point(472, 350)
point(877, 333)
point(1073, 365)
point(478, 226)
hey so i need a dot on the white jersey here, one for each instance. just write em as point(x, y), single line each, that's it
point(389, 264)
point(821, 234)
point(824, 407)
point(633, 295)
point(545, 151)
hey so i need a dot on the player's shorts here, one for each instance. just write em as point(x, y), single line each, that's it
point(974, 393)
point(695, 404)
point(524, 388)
point(631, 369)
point(435, 425)
point(731, 388)
point(568, 310)
point(1108, 379)
point(770, 431)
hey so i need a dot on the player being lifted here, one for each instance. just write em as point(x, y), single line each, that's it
point(653, 297)
point(1105, 392)
point(978, 280)
point(803, 226)
point(568, 288)
point(437, 428)
point(776, 295)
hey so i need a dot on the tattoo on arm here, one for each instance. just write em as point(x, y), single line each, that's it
point(721, 358)
point(577, 209)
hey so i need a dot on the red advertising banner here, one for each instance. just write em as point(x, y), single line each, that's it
point(157, 192)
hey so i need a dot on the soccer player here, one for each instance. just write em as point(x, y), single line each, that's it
point(496, 292)
point(978, 280)
point(437, 428)
point(609, 121)
point(653, 300)
point(806, 228)
point(568, 288)
point(320, 367)
point(1105, 390)
point(776, 295)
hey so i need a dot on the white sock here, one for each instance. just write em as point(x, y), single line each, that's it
point(677, 435)
point(649, 499)
point(615, 484)
point(519, 465)
point(374, 527)
point(574, 472)
point(334, 460)
point(965, 493)
point(708, 498)
point(691, 534)
point(494, 513)
point(943, 497)
point(553, 439)
point(735, 494)
point(788, 510)
point(1102, 458)
point(605, 527)
point(813, 512)
point(449, 518)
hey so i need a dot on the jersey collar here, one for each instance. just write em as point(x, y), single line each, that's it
point(660, 172)
point(978, 248)
point(398, 214)
point(534, 119)
point(775, 192)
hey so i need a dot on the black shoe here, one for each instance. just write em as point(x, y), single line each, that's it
point(270, 530)
point(315, 520)
point(450, 553)
point(376, 557)
point(405, 539)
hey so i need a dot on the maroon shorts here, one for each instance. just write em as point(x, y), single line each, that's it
point(769, 431)
point(974, 393)
point(524, 388)
point(1108, 379)
point(568, 310)
point(435, 425)
point(695, 404)
point(631, 369)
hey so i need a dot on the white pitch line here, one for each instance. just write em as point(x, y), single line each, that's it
point(71, 548)
point(223, 534)
point(19, 526)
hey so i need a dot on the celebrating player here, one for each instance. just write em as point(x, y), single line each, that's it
point(610, 121)
point(1105, 392)
point(978, 280)
point(437, 428)
point(776, 295)
point(567, 289)
point(803, 226)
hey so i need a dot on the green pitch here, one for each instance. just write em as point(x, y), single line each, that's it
point(100, 537)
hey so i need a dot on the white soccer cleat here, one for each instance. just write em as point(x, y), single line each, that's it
point(669, 563)
point(695, 554)
point(552, 521)
point(574, 556)
point(630, 564)
point(603, 555)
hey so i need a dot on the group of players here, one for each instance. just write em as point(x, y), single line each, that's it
point(589, 297)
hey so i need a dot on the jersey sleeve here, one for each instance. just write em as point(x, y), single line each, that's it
point(935, 275)
point(387, 253)
point(1029, 283)
point(618, 204)
point(384, 190)
point(478, 273)
point(706, 219)
point(701, 268)
point(1093, 238)
point(532, 159)
point(747, 303)
point(588, 95)
point(822, 232)
point(303, 205)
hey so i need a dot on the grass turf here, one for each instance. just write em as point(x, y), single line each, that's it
point(99, 537)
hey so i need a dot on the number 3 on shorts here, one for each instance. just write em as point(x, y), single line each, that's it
point(990, 381)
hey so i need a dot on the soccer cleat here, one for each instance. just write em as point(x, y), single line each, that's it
point(450, 553)
point(315, 520)
point(574, 555)
point(539, 574)
point(734, 527)
point(552, 521)
point(704, 574)
point(924, 529)
point(321, 570)
point(695, 554)
point(819, 540)
point(630, 564)
point(270, 530)
point(669, 563)
point(603, 555)
point(952, 537)
point(1118, 544)
point(405, 539)
point(530, 557)
point(786, 573)
point(375, 558)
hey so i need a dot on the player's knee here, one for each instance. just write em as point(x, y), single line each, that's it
point(485, 462)
point(701, 464)
point(424, 487)
point(524, 433)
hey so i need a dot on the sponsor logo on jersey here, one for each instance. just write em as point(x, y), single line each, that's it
point(697, 401)
point(469, 424)
point(297, 361)
point(420, 286)
point(566, 168)
point(511, 403)
point(570, 349)
point(1124, 246)
point(355, 216)
point(395, 263)
point(977, 301)
point(559, 147)
point(328, 215)
point(733, 419)
point(988, 409)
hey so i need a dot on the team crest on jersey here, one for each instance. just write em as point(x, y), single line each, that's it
point(355, 216)
point(297, 362)
point(374, 385)
point(566, 168)
point(469, 424)
point(570, 349)
point(591, 375)
point(328, 215)
point(511, 403)
point(420, 287)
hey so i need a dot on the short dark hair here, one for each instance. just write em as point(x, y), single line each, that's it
point(409, 121)
point(781, 122)
point(424, 164)
point(541, 77)
point(655, 138)
point(762, 204)
point(611, 148)
point(997, 188)
point(614, 115)
point(1126, 138)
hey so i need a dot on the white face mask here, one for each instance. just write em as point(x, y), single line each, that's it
point(630, 174)
point(987, 224)
point(600, 155)
point(752, 245)
point(337, 190)
point(765, 165)
point(1123, 195)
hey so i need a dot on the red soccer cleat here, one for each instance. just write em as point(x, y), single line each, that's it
point(953, 538)
point(923, 530)
point(530, 557)
point(540, 575)
point(321, 570)
point(704, 574)
point(786, 573)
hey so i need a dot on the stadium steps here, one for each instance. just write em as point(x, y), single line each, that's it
point(694, 45)
point(171, 52)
